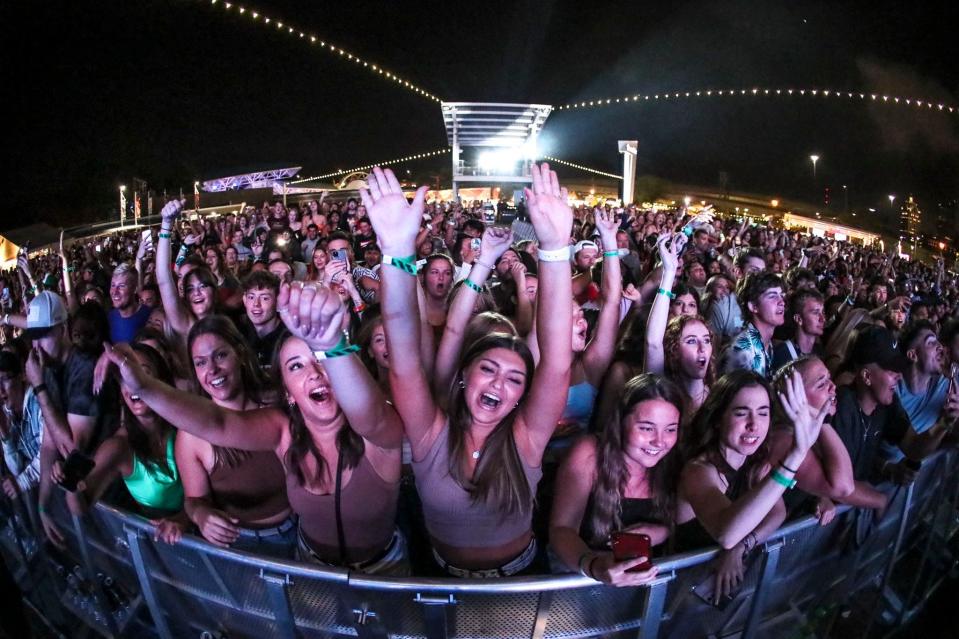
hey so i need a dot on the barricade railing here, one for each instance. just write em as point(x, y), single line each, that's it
point(113, 577)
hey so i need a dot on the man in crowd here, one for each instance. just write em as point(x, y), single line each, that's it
point(22, 429)
point(261, 326)
point(128, 315)
point(868, 411)
point(927, 396)
point(760, 297)
point(62, 379)
point(808, 319)
point(308, 245)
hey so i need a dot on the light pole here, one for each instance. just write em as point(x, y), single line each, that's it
point(845, 196)
point(815, 190)
point(123, 205)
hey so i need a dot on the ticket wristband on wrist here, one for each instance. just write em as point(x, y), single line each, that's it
point(340, 350)
point(668, 294)
point(164, 236)
point(406, 264)
point(611, 253)
point(359, 308)
point(555, 255)
point(782, 480)
point(473, 285)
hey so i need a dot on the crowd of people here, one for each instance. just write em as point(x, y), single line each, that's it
point(404, 387)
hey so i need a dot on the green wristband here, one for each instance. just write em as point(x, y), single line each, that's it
point(668, 294)
point(782, 480)
point(164, 236)
point(341, 349)
point(610, 253)
point(473, 285)
point(405, 264)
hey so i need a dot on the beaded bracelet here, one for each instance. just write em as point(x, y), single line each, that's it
point(611, 253)
point(668, 294)
point(473, 285)
point(406, 264)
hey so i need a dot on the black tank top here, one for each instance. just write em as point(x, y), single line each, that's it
point(692, 535)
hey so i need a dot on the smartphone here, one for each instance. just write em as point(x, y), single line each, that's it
point(75, 469)
point(627, 545)
point(340, 255)
point(146, 235)
point(476, 243)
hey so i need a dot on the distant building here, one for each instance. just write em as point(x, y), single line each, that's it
point(910, 219)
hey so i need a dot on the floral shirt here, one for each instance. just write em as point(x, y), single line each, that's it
point(747, 352)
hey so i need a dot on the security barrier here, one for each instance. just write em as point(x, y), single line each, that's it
point(115, 579)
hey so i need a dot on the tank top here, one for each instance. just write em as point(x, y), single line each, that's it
point(152, 487)
point(367, 504)
point(253, 488)
point(579, 404)
point(692, 535)
point(632, 511)
point(452, 516)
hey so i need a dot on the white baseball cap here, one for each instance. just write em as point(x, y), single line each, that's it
point(46, 311)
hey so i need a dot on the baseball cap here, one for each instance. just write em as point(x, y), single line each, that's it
point(46, 311)
point(874, 345)
point(584, 244)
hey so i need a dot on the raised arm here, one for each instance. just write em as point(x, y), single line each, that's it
point(315, 315)
point(495, 242)
point(259, 429)
point(397, 224)
point(177, 315)
point(655, 360)
point(728, 522)
point(599, 353)
point(552, 220)
point(67, 280)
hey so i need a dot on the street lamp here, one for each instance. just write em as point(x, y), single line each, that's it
point(891, 199)
point(814, 158)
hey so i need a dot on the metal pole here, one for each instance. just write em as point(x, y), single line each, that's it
point(768, 573)
point(146, 586)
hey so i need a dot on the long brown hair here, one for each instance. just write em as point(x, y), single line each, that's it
point(499, 478)
point(302, 446)
point(706, 430)
point(137, 437)
point(612, 474)
point(671, 340)
point(252, 379)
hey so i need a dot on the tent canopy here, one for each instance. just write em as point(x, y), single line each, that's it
point(38, 235)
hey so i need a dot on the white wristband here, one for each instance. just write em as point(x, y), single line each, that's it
point(557, 255)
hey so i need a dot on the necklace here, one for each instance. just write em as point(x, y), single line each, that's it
point(476, 453)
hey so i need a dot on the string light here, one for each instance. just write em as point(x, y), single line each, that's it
point(582, 168)
point(825, 93)
point(408, 158)
point(256, 15)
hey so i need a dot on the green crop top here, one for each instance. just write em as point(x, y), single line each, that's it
point(152, 487)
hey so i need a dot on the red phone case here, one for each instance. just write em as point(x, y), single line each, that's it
point(628, 545)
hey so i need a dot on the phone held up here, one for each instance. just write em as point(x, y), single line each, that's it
point(627, 545)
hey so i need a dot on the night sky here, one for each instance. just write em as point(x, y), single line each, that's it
point(176, 91)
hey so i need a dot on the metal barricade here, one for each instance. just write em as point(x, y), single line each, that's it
point(113, 577)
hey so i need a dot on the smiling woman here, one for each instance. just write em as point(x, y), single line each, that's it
point(477, 466)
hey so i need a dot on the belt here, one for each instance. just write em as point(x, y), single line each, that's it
point(258, 533)
point(514, 566)
point(360, 565)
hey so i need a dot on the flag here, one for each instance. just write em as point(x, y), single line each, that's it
point(136, 207)
point(196, 196)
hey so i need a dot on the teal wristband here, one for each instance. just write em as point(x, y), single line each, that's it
point(611, 253)
point(164, 236)
point(405, 264)
point(668, 294)
point(341, 349)
point(782, 480)
point(473, 285)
